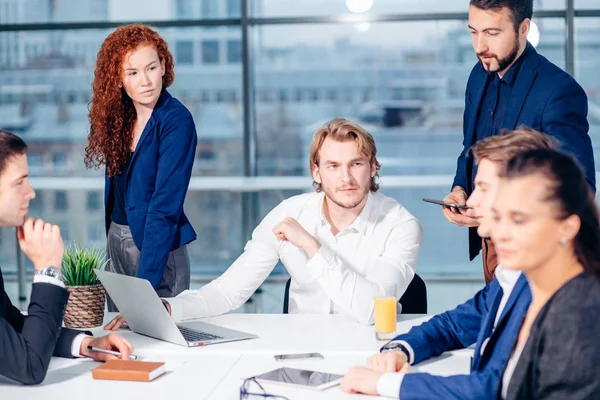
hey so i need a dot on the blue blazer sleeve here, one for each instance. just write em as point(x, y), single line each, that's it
point(454, 329)
point(175, 161)
point(475, 386)
point(460, 177)
point(27, 343)
point(565, 118)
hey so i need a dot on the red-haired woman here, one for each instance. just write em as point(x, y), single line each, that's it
point(147, 140)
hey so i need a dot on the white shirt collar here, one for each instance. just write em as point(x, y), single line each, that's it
point(507, 278)
point(360, 224)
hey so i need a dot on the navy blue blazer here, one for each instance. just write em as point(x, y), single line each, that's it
point(544, 98)
point(471, 322)
point(155, 187)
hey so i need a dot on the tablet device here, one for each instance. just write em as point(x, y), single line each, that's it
point(301, 378)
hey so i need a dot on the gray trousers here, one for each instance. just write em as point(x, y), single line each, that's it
point(124, 258)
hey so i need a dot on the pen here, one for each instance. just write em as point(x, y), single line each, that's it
point(114, 353)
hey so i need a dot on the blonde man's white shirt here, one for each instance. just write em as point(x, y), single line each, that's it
point(378, 249)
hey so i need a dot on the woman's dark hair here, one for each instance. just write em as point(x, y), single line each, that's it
point(570, 192)
point(520, 10)
point(10, 146)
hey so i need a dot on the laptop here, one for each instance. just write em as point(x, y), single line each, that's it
point(145, 314)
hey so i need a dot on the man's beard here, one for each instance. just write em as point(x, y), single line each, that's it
point(331, 196)
point(506, 61)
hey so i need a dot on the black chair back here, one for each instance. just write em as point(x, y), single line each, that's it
point(286, 296)
point(413, 301)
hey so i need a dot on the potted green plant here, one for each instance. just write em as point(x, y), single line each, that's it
point(85, 307)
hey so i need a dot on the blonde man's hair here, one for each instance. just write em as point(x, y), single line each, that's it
point(501, 148)
point(341, 130)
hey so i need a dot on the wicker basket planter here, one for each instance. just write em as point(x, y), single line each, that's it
point(85, 308)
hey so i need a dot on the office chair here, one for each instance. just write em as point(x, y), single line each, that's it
point(413, 301)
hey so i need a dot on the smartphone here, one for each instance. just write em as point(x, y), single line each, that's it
point(299, 356)
point(441, 203)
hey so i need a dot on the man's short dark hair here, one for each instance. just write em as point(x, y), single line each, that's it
point(10, 145)
point(520, 10)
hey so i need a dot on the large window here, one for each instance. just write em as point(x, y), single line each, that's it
point(587, 65)
point(294, 8)
point(401, 74)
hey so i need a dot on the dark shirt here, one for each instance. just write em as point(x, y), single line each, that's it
point(119, 215)
point(495, 102)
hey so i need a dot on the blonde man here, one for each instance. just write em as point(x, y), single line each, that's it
point(343, 244)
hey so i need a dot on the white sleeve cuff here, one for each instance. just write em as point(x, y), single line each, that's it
point(389, 384)
point(176, 308)
point(411, 352)
point(319, 261)
point(76, 345)
point(48, 279)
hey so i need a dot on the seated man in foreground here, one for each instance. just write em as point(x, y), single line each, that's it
point(492, 319)
point(343, 245)
point(28, 342)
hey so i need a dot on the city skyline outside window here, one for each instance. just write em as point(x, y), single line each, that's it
point(403, 80)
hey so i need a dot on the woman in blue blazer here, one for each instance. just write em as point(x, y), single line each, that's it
point(546, 224)
point(147, 140)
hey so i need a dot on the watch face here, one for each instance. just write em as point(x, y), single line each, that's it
point(51, 271)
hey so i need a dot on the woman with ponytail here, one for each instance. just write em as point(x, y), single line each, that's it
point(546, 225)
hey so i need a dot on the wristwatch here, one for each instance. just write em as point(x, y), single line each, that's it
point(50, 271)
point(395, 346)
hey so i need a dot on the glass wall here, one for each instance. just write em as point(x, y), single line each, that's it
point(399, 69)
point(587, 65)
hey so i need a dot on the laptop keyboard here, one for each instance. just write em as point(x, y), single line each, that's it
point(192, 335)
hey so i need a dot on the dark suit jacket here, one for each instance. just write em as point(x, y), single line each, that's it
point(471, 322)
point(28, 342)
point(544, 98)
point(156, 184)
point(561, 359)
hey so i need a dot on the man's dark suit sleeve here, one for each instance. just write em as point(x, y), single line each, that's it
point(565, 118)
point(454, 329)
point(27, 344)
point(460, 177)
point(65, 342)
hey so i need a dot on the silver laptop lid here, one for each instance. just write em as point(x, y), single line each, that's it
point(141, 306)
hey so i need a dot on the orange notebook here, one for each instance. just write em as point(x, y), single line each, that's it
point(128, 370)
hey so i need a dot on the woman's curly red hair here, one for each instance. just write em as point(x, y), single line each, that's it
point(112, 114)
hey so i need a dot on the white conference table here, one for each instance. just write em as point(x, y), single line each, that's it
point(218, 371)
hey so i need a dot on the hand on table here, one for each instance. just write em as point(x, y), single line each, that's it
point(111, 341)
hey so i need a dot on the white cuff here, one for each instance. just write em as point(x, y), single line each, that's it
point(389, 384)
point(411, 352)
point(76, 345)
point(176, 308)
point(319, 261)
point(48, 279)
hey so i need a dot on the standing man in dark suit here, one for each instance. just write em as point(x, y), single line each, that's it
point(513, 85)
point(28, 342)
